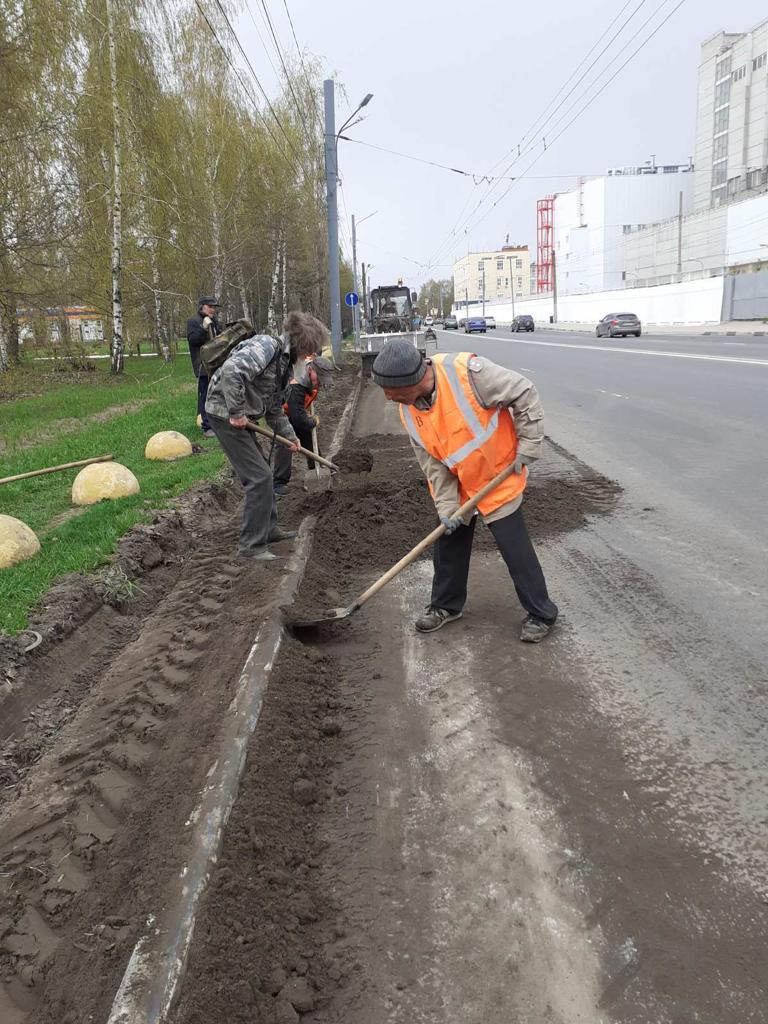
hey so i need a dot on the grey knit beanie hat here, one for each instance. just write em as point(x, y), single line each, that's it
point(398, 365)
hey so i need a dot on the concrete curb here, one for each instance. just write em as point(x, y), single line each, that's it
point(156, 966)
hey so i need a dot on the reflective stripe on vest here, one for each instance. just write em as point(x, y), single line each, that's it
point(475, 443)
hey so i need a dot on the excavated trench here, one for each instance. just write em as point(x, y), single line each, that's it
point(110, 730)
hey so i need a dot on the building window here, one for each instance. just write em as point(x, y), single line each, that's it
point(627, 229)
point(720, 149)
point(759, 62)
point(739, 73)
point(723, 67)
point(721, 121)
point(498, 282)
point(719, 173)
point(480, 266)
point(519, 283)
point(518, 264)
point(723, 93)
point(499, 264)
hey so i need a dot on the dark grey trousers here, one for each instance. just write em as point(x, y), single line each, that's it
point(255, 474)
point(452, 553)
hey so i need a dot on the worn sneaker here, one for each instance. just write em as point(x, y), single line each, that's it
point(260, 554)
point(207, 432)
point(435, 618)
point(277, 535)
point(280, 490)
point(534, 630)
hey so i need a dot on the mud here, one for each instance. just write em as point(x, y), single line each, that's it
point(109, 729)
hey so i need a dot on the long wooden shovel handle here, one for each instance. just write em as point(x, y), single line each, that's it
point(56, 469)
point(429, 540)
point(289, 444)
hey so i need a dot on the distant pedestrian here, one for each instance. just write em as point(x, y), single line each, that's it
point(202, 327)
point(468, 419)
point(250, 385)
point(306, 336)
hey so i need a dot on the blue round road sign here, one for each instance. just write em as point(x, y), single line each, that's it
point(351, 298)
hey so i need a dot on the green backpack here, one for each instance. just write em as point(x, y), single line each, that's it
point(215, 352)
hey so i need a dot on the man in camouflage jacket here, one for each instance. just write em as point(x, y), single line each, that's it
point(250, 385)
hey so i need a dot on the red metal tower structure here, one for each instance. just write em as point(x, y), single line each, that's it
point(545, 240)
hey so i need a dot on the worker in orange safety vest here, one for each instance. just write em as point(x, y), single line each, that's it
point(468, 419)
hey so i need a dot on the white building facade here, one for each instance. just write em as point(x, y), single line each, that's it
point(496, 275)
point(593, 221)
point(732, 117)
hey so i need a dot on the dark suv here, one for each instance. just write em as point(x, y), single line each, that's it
point(524, 322)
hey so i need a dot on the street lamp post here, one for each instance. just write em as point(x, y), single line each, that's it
point(355, 309)
point(512, 285)
point(331, 187)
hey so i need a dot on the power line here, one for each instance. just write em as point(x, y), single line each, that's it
point(301, 58)
point(253, 72)
point(459, 224)
point(285, 69)
point(477, 177)
point(578, 114)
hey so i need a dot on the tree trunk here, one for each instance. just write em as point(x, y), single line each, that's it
point(117, 204)
point(241, 289)
point(3, 350)
point(161, 335)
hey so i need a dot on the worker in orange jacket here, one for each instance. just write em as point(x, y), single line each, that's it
point(468, 419)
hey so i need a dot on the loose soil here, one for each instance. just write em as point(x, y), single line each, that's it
point(109, 728)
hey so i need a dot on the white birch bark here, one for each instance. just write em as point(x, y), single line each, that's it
point(117, 203)
point(161, 335)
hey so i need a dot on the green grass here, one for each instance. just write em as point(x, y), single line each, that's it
point(88, 540)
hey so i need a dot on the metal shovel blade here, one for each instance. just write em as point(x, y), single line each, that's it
point(334, 615)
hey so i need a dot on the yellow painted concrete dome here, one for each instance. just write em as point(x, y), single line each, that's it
point(102, 480)
point(168, 445)
point(17, 541)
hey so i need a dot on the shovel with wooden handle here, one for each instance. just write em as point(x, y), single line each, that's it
point(322, 478)
point(272, 436)
point(337, 614)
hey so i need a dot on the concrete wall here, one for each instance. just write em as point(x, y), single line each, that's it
point(689, 302)
point(746, 296)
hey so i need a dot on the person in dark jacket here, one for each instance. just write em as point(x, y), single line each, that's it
point(306, 336)
point(248, 385)
point(202, 327)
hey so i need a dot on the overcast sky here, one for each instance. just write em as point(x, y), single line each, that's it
point(462, 83)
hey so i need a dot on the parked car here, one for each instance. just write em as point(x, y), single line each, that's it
point(524, 322)
point(462, 322)
point(619, 325)
point(490, 323)
point(428, 321)
point(450, 323)
point(475, 324)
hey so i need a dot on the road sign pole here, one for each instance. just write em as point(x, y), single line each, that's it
point(331, 184)
point(355, 308)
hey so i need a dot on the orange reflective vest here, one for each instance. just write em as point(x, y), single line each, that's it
point(311, 380)
point(475, 443)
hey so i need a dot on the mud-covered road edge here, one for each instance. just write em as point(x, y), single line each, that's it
point(157, 964)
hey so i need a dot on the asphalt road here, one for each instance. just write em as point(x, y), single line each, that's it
point(668, 596)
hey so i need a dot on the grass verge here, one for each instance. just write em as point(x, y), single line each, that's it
point(88, 540)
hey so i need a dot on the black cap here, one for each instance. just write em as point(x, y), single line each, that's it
point(398, 365)
point(208, 300)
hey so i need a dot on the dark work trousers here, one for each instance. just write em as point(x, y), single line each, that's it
point(284, 456)
point(202, 392)
point(259, 510)
point(451, 560)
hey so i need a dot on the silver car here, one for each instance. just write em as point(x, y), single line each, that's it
point(619, 325)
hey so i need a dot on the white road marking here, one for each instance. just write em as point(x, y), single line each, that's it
point(644, 352)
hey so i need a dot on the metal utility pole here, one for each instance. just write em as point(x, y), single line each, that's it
point(512, 285)
point(554, 287)
point(483, 287)
point(355, 309)
point(466, 303)
point(365, 295)
point(331, 183)
point(680, 236)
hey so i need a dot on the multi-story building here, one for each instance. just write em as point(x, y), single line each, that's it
point(497, 275)
point(732, 117)
point(593, 221)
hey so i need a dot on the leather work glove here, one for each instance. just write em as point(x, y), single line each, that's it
point(523, 460)
point(207, 322)
point(450, 523)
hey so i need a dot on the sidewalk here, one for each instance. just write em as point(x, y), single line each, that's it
point(750, 328)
